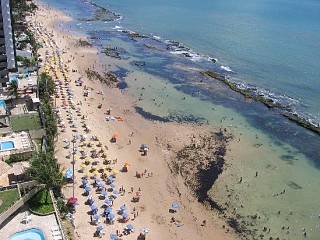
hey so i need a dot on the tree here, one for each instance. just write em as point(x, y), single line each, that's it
point(13, 89)
point(29, 62)
point(46, 85)
point(44, 170)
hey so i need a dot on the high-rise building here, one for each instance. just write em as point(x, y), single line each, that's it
point(7, 46)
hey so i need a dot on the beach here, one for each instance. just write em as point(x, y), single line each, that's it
point(160, 185)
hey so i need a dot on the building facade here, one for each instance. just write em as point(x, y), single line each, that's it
point(7, 46)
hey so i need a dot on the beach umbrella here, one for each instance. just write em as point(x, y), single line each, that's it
point(95, 173)
point(96, 217)
point(108, 210)
point(104, 193)
point(112, 185)
point(87, 173)
point(84, 181)
point(116, 135)
point(175, 205)
point(145, 230)
point(125, 215)
point(111, 179)
point(130, 227)
point(93, 207)
point(113, 236)
point(99, 228)
point(106, 172)
point(115, 171)
point(88, 189)
point(116, 192)
point(139, 193)
point(111, 216)
point(97, 180)
point(72, 200)
point(123, 208)
point(83, 165)
point(126, 164)
point(100, 185)
point(107, 202)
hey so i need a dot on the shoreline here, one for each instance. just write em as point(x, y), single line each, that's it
point(115, 99)
point(247, 93)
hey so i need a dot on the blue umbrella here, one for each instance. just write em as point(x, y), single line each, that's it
point(125, 215)
point(97, 180)
point(113, 236)
point(104, 193)
point(69, 173)
point(129, 227)
point(84, 181)
point(123, 208)
point(100, 185)
point(94, 207)
point(111, 216)
point(175, 206)
point(108, 210)
point(112, 185)
point(115, 192)
point(108, 202)
point(88, 189)
point(111, 179)
point(96, 217)
point(99, 228)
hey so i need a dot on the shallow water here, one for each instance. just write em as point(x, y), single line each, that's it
point(285, 155)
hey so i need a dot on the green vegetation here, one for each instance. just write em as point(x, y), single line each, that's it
point(13, 89)
point(21, 157)
point(46, 86)
point(25, 123)
point(44, 170)
point(41, 203)
point(8, 198)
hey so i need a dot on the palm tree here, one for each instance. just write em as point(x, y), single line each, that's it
point(44, 170)
point(13, 89)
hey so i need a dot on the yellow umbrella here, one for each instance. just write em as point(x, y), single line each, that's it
point(106, 172)
point(115, 171)
point(87, 173)
point(83, 165)
point(95, 173)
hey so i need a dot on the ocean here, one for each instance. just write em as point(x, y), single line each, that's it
point(269, 47)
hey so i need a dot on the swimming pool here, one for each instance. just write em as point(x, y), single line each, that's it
point(30, 234)
point(3, 104)
point(7, 145)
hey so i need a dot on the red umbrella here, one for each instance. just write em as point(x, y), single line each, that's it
point(139, 193)
point(72, 200)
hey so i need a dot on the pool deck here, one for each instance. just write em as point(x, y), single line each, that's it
point(14, 224)
point(22, 143)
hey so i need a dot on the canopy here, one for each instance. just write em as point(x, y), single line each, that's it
point(72, 200)
point(116, 135)
point(69, 173)
point(125, 215)
point(99, 228)
point(123, 208)
point(108, 210)
point(129, 227)
point(175, 205)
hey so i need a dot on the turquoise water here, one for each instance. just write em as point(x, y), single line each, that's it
point(6, 145)
point(273, 45)
point(3, 104)
point(266, 44)
point(30, 234)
